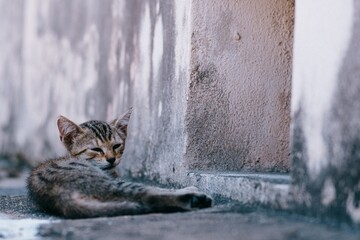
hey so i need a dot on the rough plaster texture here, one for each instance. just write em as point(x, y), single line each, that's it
point(238, 113)
point(326, 129)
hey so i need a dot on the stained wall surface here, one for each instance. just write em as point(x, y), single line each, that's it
point(238, 113)
point(11, 71)
point(209, 81)
point(210, 85)
point(94, 60)
point(325, 108)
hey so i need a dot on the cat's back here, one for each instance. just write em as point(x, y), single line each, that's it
point(57, 186)
point(63, 169)
point(64, 175)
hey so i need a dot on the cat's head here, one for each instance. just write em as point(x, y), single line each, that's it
point(96, 141)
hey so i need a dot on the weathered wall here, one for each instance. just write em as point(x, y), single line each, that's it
point(325, 108)
point(157, 138)
point(65, 62)
point(210, 86)
point(80, 59)
point(238, 113)
point(11, 71)
point(209, 82)
point(59, 70)
point(92, 60)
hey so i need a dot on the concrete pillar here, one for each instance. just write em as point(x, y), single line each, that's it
point(238, 111)
point(325, 108)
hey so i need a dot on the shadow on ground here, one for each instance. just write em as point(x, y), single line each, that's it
point(21, 220)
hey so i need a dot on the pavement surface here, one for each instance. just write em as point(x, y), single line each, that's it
point(19, 219)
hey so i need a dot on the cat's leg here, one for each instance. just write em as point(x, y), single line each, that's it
point(81, 206)
point(191, 198)
point(165, 200)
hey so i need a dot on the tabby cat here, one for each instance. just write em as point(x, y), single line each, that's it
point(85, 184)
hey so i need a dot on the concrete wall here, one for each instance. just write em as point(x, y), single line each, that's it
point(238, 113)
point(11, 71)
point(325, 108)
point(92, 60)
point(157, 138)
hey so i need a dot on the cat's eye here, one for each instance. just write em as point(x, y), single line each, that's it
point(99, 150)
point(116, 146)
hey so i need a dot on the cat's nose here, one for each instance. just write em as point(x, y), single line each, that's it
point(111, 160)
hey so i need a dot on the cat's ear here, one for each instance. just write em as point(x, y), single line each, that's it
point(122, 122)
point(68, 131)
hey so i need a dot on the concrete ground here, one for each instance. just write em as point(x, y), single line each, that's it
point(19, 219)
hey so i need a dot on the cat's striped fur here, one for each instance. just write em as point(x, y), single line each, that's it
point(86, 184)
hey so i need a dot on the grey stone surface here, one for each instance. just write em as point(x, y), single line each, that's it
point(198, 225)
point(20, 219)
point(266, 190)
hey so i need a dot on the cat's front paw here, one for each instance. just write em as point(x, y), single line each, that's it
point(190, 198)
point(200, 201)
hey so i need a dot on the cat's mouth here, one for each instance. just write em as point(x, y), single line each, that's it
point(110, 166)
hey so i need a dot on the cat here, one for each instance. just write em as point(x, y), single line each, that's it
point(85, 183)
